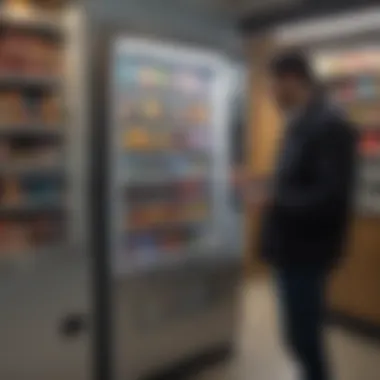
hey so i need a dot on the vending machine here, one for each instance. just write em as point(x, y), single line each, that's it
point(172, 239)
point(45, 289)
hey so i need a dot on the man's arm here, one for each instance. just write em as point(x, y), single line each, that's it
point(334, 174)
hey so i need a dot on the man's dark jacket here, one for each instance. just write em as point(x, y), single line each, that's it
point(306, 222)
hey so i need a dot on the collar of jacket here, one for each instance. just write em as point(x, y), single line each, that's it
point(314, 112)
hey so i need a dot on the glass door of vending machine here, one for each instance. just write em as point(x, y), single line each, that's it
point(174, 256)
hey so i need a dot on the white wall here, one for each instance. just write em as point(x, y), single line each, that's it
point(328, 27)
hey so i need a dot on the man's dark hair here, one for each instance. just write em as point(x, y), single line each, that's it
point(292, 63)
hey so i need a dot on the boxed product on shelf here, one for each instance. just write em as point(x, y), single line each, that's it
point(137, 138)
point(25, 6)
point(42, 190)
point(50, 111)
point(354, 81)
point(19, 108)
point(365, 115)
point(12, 107)
point(16, 237)
point(22, 191)
point(152, 109)
point(29, 235)
point(351, 61)
point(172, 241)
point(4, 151)
point(36, 153)
point(45, 231)
point(370, 142)
point(194, 190)
point(11, 191)
point(28, 54)
point(198, 114)
point(144, 243)
point(196, 211)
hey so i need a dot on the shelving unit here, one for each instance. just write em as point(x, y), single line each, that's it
point(352, 77)
point(32, 22)
point(32, 130)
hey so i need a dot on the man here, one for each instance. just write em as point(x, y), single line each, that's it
point(307, 212)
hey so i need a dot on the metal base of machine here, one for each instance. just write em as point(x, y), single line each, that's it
point(172, 320)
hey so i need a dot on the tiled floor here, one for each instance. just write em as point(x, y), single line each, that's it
point(261, 357)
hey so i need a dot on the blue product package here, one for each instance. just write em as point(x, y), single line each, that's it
point(41, 190)
point(149, 247)
point(183, 165)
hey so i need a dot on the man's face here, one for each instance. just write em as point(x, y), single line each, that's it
point(286, 90)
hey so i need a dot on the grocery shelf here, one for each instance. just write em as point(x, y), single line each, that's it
point(170, 151)
point(28, 81)
point(31, 169)
point(172, 201)
point(31, 207)
point(36, 23)
point(359, 100)
point(162, 225)
point(31, 130)
point(366, 157)
point(368, 127)
point(343, 77)
point(162, 179)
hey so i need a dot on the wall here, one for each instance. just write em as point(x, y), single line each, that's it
point(263, 134)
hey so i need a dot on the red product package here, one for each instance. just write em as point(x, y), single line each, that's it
point(14, 51)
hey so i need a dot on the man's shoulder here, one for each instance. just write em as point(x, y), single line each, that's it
point(334, 120)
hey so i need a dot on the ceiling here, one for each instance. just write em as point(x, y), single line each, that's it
point(231, 8)
point(210, 22)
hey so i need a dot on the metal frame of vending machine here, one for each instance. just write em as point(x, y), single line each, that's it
point(160, 301)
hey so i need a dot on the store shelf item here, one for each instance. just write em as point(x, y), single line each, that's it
point(32, 129)
point(163, 125)
point(352, 78)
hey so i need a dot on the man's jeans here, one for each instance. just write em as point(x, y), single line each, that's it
point(302, 300)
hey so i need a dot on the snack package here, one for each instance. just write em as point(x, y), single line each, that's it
point(3, 237)
point(137, 138)
point(52, 59)
point(45, 231)
point(4, 151)
point(50, 112)
point(152, 109)
point(12, 193)
point(4, 110)
point(19, 238)
point(17, 111)
point(17, 6)
point(35, 56)
point(13, 50)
